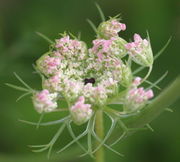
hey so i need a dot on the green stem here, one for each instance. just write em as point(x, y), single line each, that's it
point(99, 128)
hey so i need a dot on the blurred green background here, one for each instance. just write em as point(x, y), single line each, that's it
point(20, 47)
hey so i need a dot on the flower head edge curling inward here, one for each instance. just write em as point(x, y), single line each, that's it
point(93, 79)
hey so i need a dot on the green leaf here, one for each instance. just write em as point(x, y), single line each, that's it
point(17, 87)
point(113, 124)
point(45, 37)
point(23, 95)
point(73, 136)
point(92, 25)
point(19, 78)
point(158, 81)
point(40, 119)
point(100, 140)
point(100, 12)
point(46, 123)
point(152, 84)
point(74, 140)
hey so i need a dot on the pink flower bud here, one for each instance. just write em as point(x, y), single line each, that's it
point(80, 111)
point(137, 81)
point(123, 26)
point(136, 98)
point(140, 51)
point(137, 38)
point(149, 94)
point(45, 101)
point(110, 28)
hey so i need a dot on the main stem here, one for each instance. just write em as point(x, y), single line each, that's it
point(99, 128)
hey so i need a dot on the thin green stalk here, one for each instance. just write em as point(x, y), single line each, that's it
point(99, 128)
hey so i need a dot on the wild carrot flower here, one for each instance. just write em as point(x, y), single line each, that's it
point(93, 79)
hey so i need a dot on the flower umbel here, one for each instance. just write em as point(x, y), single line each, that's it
point(90, 80)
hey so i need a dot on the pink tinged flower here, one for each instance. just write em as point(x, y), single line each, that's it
point(137, 98)
point(122, 26)
point(140, 51)
point(57, 54)
point(106, 45)
point(141, 91)
point(110, 28)
point(132, 92)
point(73, 88)
point(70, 48)
point(80, 111)
point(50, 64)
point(45, 101)
point(53, 83)
point(60, 43)
point(149, 94)
point(76, 44)
point(55, 79)
point(137, 38)
point(101, 47)
point(100, 56)
point(129, 46)
point(139, 94)
point(136, 81)
point(99, 90)
point(81, 99)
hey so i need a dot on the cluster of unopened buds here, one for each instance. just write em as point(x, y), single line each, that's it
point(93, 79)
point(88, 78)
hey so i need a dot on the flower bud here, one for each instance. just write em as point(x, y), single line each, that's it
point(114, 47)
point(136, 81)
point(110, 28)
point(140, 51)
point(54, 83)
point(80, 111)
point(44, 101)
point(48, 65)
point(136, 98)
point(71, 48)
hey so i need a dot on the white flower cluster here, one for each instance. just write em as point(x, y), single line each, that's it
point(86, 78)
point(45, 101)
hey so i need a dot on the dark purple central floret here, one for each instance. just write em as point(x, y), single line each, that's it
point(90, 80)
